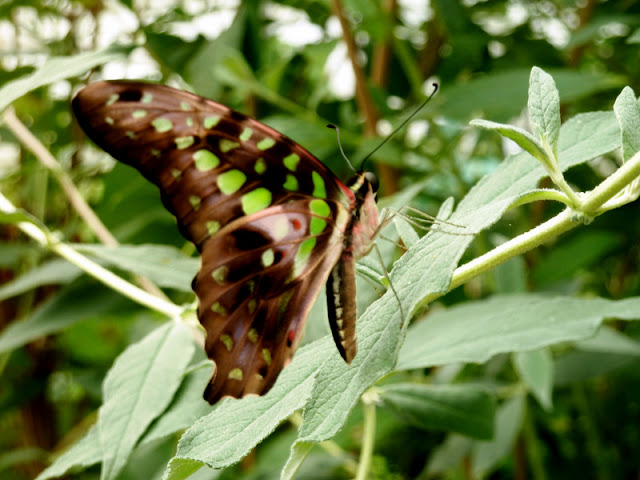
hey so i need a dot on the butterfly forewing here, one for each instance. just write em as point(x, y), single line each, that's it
point(269, 219)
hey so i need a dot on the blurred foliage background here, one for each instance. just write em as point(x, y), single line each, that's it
point(291, 65)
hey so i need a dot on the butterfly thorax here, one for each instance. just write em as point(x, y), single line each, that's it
point(364, 222)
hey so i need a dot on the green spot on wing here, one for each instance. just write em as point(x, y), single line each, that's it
point(212, 121)
point(161, 124)
point(175, 173)
point(246, 134)
point(319, 189)
point(109, 120)
point(205, 160)
point(266, 143)
point(195, 202)
point(139, 113)
point(320, 208)
point(253, 333)
point(112, 99)
point(317, 226)
point(146, 98)
point(185, 106)
point(256, 200)
point(212, 227)
point(217, 308)
point(291, 161)
point(184, 142)
point(267, 258)
point(266, 355)
point(189, 122)
point(261, 166)
point(302, 256)
point(291, 183)
point(228, 145)
point(251, 306)
point(236, 374)
point(227, 340)
point(230, 181)
point(130, 134)
point(220, 275)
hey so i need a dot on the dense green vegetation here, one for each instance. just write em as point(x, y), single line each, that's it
point(515, 353)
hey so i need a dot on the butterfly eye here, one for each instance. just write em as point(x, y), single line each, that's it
point(373, 181)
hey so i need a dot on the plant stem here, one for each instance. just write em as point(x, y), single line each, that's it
point(590, 204)
point(368, 435)
point(516, 246)
point(23, 134)
point(47, 240)
point(76, 200)
point(545, 194)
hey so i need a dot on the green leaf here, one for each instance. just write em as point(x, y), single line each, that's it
point(59, 68)
point(166, 266)
point(608, 340)
point(78, 302)
point(235, 426)
point(476, 331)
point(523, 138)
point(186, 407)
point(138, 388)
point(82, 454)
point(578, 366)
point(448, 454)
point(299, 452)
point(536, 371)
point(628, 115)
point(486, 455)
point(466, 409)
point(544, 107)
point(578, 253)
point(53, 272)
point(406, 232)
point(181, 468)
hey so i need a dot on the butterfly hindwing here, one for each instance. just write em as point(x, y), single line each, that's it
point(271, 221)
point(255, 299)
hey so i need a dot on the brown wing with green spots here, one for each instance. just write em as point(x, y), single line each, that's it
point(268, 218)
point(212, 164)
point(260, 275)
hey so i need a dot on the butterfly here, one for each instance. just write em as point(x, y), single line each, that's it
point(271, 222)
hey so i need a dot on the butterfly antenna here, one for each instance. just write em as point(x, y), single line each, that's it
point(335, 127)
point(399, 127)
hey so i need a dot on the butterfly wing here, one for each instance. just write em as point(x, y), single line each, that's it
point(268, 218)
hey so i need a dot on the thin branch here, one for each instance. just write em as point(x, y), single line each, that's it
point(23, 134)
point(49, 241)
point(363, 97)
point(590, 205)
point(76, 200)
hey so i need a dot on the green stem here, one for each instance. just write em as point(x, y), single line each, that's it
point(590, 204)
point(546, 194)
point(562, 184)
point(369, 435)
point(533, 447)
point(516, 246)
point(48, 240)
point(611, 185)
